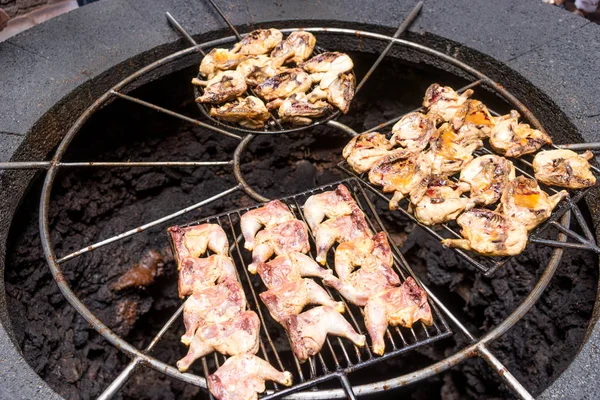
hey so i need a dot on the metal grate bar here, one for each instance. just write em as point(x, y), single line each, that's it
point(48, 164)
point(184, 33)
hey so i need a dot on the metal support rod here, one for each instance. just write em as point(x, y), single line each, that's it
point(403, 27)
point(120, 380)
point(227, 21)
point(47, 164)
point(183, 32)
point(347, 387)
point(505, 374)
point(580, 146)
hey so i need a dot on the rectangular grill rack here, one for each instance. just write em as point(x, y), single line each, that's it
point(338, 357)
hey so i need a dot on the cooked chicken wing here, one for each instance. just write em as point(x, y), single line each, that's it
point(267, 216)
point(489, 233)
point(242, 377)
point(197, 274)
point(337, 89)
point(365, 150)
point(249, 112)
point(287, 237)
point(284, 84)
point(329, 64)
point(441, 203)
point(340, 229)
point(564, 168)
point(297, 110)
point(331, 204)
point(399, 306)
point(240, 335)
point(226, 85)
point(289, 268)
point(309, 330)
point(291, 298)
point(219, 60)
point(450, 151)
point(297, 47)
point(523, 200)
point(486, 177)
point(444, 102)
point(413, 131)
point(257, 69)
point(513, 139)
point(257, 42)
point(473, 116)
point(193, 241)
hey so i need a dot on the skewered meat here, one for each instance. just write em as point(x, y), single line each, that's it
point(564, 168)
point(257, 42)
point(257, 69)
point(267, 216)
point(290, 267)
point(331, 204)
point(403, 173)
point(399, 306)
point(297, 110)
point(444, 102)
point(365, 150)
point(486, 177)
point(340, 229)
point(329, 63)
point(239, 335)
point(287, 237)
point(197, 274)
point(284, 84)
point(413, 131)
point(489, 233)
point(297, 47)
point(441, 203)
point(219, 60)
point(215, 304)
point(337, 89)
point(249, 112)
point(193, 241)
point(242, 377)
point(291, 298)
point(524, 201)
point(513, 139)
point(473, 116)
point(450, 151)
point(309, 330)
point(226, 85)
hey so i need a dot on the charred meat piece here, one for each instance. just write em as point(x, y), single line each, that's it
point(450, 151)
point(226, 85)
point(309, 330)
point(219, 60)
point(297, 47)
point(413, 131)
point(297, 110)
point(473, 116)
point(193, 241)
point(329, 64)
point(489, 233)
point(257, 69)
point(284, 84)
point(331, 204)
point(197, 274)
point(287, 237)
point(486, 177)
point(399, 306)
point(365, 150)
point(267, 216)
point(337, 89)
point(242, 377)
point(249, 112)
point(524, 201)
point(512, 139)
point(564, 168)
point(257, 42)
point(143, 273)
point(443, 102)
point(289, 268)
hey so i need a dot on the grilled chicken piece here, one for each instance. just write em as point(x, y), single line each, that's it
point(524, 201)
point(257, 69)
point(249, 112)
point(399, 306)
point(242, 377)
point(267, 216)
point(450, 151)
point(287, 237)
point(473, 116)
point(289, 268)
point(365, 150)
point(219, 60)
point(297, 47)
point(215, 304)
point(337, 89)
point(489, 233)
point(297, 110)
point(413, 131)
point(226, 85)
point(486, 177)
point(258, 42)
point(340, 229)
point(329, 64)
point(239, 335)
point(197, 274)
point(564, 168)
point(291, 298)
point(193, 241)
point(309, 330)
point(284, 84)
point(444, 102)
point(512, 139)
point(331, 204)
point(441, 203)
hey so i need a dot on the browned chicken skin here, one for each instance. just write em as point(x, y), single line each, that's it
point(564, 168)
point(512, 139)
point(286, 237)
point(450, 151)
point(413, 131)
point(443, 102)
point(267, 216)
point(197, 274)
point(289, 268)
point(337, 89)
point(283, 84)
point(330, 204)
point(297, 47)
point(257, 42)
point(257, 69)
point(219, 60)
point(193, 241)
point(340, 229)
point(297, 110)
point(486, 177)
point(225, 85)
point(363, 151)
point(249, 112)
point(474, 117)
